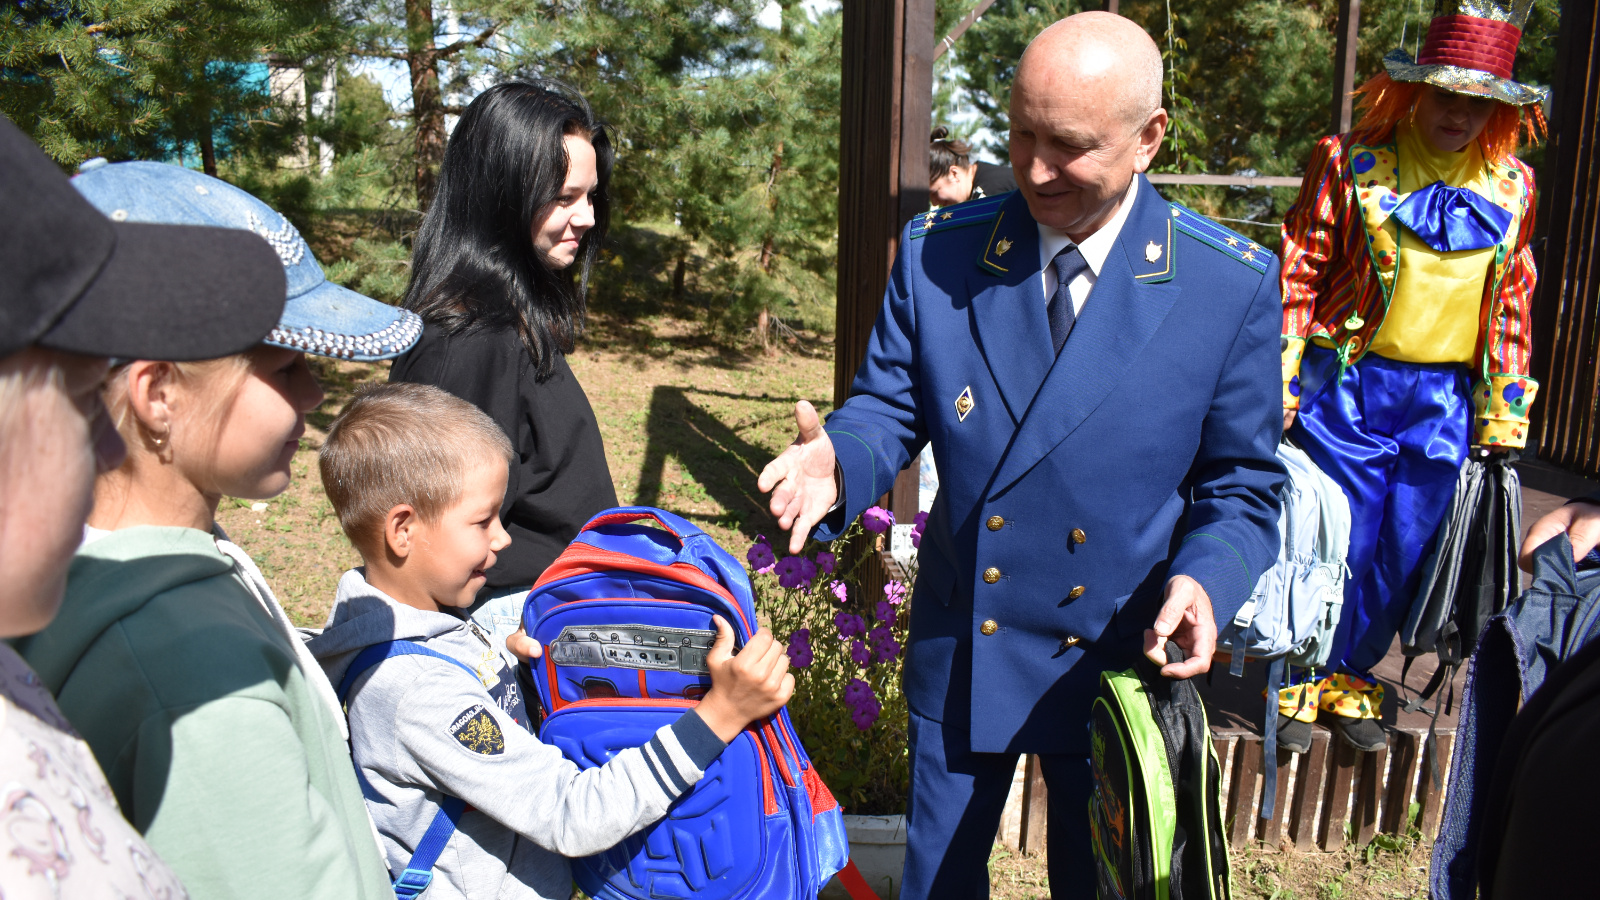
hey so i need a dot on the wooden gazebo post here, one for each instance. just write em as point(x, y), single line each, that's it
point(886, 89)
point(1566, 312)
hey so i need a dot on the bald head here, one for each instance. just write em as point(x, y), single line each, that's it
point(1086, 117)
point(1096, 52)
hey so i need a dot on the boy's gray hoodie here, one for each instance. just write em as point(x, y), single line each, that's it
point(421, 728)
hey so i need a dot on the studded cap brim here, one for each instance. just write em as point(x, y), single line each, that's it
point(333, 321)
point(1461, 80)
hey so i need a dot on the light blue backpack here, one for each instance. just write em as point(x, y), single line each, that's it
point(1291, 616)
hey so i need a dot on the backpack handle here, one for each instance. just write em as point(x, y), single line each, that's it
point(675, 525)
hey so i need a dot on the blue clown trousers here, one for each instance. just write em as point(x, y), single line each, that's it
point(1394, 436)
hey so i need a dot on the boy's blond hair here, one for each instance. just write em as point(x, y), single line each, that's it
point(403, 443)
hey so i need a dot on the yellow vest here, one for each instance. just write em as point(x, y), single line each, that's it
point(1437, 298)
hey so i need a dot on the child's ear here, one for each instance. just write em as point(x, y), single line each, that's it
point(399, 527)
point(150, 398)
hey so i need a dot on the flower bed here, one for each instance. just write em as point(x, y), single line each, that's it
point(846, 642)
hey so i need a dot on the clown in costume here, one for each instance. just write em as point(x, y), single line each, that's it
point(1407, 280)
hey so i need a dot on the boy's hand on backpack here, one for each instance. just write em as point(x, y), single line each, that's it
point(745, 687)
point(523, 647)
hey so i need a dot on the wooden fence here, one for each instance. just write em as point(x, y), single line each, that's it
point(1326, 796)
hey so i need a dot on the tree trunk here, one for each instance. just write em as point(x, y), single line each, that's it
point(764, 328)
point(208, 148)
point(678, 273)
point(427, 106)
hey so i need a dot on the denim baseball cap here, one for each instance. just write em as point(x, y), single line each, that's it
point(72, 279)
point(320, 317)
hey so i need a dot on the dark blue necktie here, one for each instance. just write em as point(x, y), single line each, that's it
point(1069, 264)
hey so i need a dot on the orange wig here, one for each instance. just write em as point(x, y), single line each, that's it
point(1384, 103)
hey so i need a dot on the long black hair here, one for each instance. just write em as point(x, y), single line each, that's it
point(474, 262)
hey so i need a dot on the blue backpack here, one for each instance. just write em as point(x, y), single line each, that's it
point(624, 615)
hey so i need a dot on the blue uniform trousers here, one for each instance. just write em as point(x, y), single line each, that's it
point(957, 797)
point(1394, 436)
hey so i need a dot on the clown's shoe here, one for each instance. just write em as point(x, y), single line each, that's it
point(1355, 706)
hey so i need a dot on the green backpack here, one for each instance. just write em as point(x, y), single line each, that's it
point(1155, 814)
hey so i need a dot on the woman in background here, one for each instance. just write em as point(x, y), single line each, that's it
point(954, 178)
point(499, 276)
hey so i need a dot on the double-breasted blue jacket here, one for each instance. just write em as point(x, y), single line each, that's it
point(1071, 487)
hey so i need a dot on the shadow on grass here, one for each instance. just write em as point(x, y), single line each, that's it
point(722, 465)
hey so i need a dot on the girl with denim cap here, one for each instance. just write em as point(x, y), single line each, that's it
point(218, 732)
point(499, 275)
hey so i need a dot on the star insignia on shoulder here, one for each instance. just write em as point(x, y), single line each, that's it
point(1254, 247)
point(1247, 256)
point(945, 216)
point(1233, 242)
point(1001, 248)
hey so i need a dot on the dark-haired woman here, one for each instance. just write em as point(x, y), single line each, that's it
point(954, 178)
point(499, 273)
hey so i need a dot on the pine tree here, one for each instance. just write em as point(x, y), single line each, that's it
point(154, 78)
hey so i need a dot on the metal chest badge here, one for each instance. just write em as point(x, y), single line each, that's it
point(1152, 252)
point(964, 403)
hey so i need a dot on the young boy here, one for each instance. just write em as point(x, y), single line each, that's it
point(416, 477)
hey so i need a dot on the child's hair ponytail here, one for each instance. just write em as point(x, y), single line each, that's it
point(474, 262)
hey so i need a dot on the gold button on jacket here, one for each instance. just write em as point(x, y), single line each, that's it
point(996, 523)
point(1075, 593)
point(1069, 642)
point(991, 575)
point(1078, 536)
point(989, 627)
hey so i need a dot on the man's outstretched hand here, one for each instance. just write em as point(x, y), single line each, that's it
point(801, 478)
point(1186, 620)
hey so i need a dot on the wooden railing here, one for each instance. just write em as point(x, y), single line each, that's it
point(1326, 796)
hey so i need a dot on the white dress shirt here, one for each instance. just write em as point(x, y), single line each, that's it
point(1095, 248)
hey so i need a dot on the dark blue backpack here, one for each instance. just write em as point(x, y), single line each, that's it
point(1553, 619)
point(624, 615)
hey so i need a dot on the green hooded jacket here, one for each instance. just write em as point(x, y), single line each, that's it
point(212, 736)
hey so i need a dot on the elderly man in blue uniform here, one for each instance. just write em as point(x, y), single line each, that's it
point(1097, 372)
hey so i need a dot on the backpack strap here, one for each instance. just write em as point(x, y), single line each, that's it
point(418, 873)
point(377, 653)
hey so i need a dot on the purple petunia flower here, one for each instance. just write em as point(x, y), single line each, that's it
point(760, 556)
point(800, 655)
point(808, 569)
point(860, 653)
point(857, 691)
point(877, 520)
point(884, 612)
point(883, 643)
point(895, 593)
point(917, 526)
point(841, 593)
point(849, 625)
point(790, 572)
point(864, 706)
point(826, 562)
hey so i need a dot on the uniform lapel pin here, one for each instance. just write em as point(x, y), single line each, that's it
point(1152, 251)
point(964, 404)
point(1001, 248)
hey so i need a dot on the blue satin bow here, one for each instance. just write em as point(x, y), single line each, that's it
point(1452, 218)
